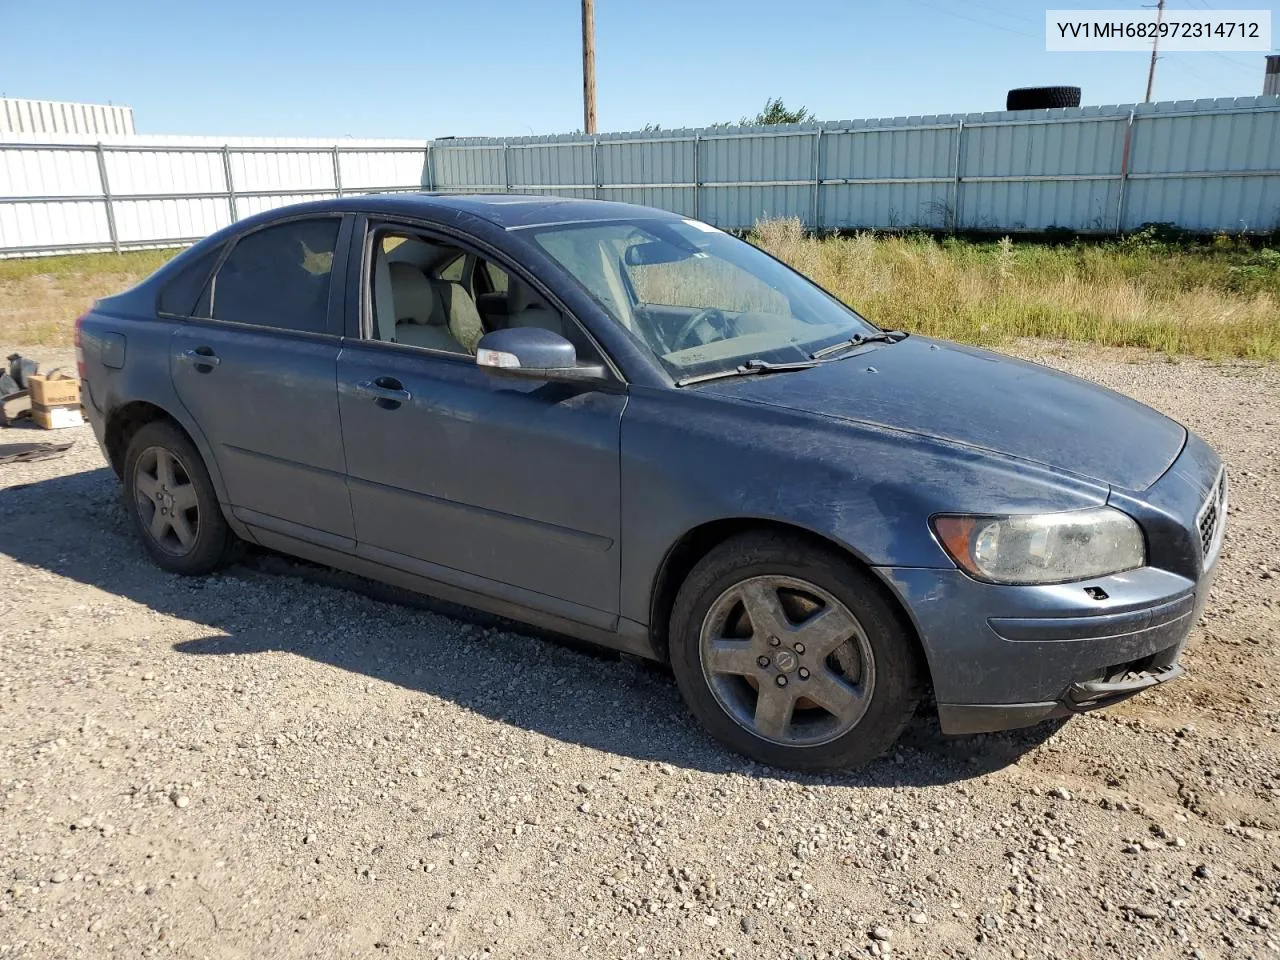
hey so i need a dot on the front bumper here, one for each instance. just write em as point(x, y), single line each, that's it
point(1008, 656)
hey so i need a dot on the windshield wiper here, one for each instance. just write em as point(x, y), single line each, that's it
point(747, 369)
point(857, 340)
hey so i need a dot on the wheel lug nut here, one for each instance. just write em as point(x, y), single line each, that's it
point(799, 648)
point(804, 674)
point(763, 661)
point(774, 641)
point(782, 681)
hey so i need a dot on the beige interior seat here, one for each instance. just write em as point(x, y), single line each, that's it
point(419, 321)
point(458, 312)
point(524, 309)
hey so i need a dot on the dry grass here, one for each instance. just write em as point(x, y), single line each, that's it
point(40, 298)
point(1214, 301)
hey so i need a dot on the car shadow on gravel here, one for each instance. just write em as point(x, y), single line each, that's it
point(74, 526)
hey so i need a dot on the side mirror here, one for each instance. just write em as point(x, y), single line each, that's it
point(533, 353)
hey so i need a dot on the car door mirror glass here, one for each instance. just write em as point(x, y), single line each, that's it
point(655, 252)
point(532, 353)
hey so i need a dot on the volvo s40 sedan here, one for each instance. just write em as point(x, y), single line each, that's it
point(631, 427)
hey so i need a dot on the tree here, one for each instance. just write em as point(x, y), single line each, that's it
point(775, 112)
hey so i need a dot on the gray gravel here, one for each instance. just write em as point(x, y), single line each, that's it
point(278, 762)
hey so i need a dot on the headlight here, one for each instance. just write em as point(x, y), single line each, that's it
point(1044, 548)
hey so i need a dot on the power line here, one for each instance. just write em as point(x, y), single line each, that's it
point(1217, 83)
point(984, 23)
point(1004, 13)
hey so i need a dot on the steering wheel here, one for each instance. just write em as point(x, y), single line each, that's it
point(707, 313)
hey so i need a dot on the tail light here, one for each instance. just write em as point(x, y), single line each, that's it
point(80, 367)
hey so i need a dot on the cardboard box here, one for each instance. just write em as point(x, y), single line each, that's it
point(52, 393)
point(55, 418)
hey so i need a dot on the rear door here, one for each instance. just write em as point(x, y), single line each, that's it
point(256, 370)
point(505, 487)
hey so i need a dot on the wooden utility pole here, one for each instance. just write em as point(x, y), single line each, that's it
point(589, 66)
point(1155, 47)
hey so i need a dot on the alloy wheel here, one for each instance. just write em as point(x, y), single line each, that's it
point(787, 660)
point(166, 500)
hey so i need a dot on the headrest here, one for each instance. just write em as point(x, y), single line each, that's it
point(519, 296)
point(412, 294)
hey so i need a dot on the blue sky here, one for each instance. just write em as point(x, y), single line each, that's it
point(418, 68)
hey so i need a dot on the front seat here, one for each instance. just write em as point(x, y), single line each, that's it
point(419, 322)
point(460, 314)
point(525, 310)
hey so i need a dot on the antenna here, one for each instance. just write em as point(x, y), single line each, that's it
point(1155, 47)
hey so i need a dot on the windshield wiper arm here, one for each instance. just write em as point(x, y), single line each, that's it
point(747, 369)
point(857, 340)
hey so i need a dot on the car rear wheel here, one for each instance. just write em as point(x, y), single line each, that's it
point(790, 654)
point(171, 499)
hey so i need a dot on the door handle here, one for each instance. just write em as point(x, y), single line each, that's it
point(209, 359)
point(386, 390)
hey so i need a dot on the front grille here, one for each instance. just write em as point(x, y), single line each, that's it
point(1212, 520)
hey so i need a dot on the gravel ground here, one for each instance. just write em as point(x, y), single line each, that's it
point(278, 762)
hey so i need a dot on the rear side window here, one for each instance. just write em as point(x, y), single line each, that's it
point(178, 296)
point(279, 277)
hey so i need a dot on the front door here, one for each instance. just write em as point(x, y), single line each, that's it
point(505, 487)
point(258, 374)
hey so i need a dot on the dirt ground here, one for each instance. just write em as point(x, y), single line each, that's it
point(273, 762)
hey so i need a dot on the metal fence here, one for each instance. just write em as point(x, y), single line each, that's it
point(61, 197)
point(1206, 166)
point(1209, 165)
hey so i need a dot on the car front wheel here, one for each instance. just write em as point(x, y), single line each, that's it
point(171, 499)
point(790, 654)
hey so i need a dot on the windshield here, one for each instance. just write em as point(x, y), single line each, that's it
point(701, 300)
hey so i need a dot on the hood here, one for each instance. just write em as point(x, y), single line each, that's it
point(984, 400)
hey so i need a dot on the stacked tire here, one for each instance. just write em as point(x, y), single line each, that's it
point(1042, 98)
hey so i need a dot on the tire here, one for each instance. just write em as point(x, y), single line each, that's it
point(866, 666)
point(1042, 98)
point(177, 500)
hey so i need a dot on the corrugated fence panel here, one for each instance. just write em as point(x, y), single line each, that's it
point(49, 173)
point(141, 221)
point(1178, 165)
point(273, 170)
point(737, 208)
point(535, 165)
point(455, 168)
point(656, 162)
point(925, 155)
point(44, 227)
point(1209, 165)
point(1083, 206)
point(250, 205)
point(889, 206)
point(382, 169)
point(676, 199)
point(169, 171)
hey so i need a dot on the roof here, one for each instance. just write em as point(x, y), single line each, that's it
point(510, 211)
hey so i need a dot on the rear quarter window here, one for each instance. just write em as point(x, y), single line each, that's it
point(179, 296)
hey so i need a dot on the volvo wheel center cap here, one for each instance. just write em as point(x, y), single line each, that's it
point(786, 660)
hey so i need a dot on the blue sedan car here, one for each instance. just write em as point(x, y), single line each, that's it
point(633, 428)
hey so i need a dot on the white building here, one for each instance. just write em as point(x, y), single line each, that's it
point(55, 116)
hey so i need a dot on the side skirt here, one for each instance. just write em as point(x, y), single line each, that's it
point(630, 638)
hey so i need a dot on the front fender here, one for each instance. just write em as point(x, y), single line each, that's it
point(690, 459)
